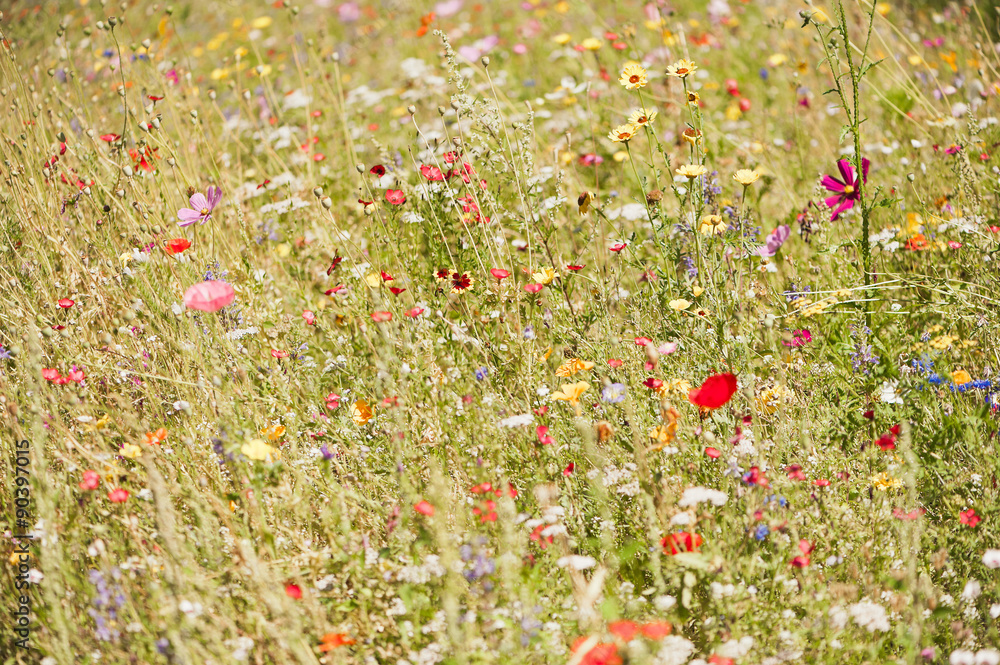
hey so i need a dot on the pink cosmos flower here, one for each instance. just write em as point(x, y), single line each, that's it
point(846, 191)
point(201, 208)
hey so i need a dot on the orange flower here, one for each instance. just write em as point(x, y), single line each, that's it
point(331, 641)
point(155, 438)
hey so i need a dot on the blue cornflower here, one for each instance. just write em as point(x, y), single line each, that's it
point(482, 373)
point(761, 532)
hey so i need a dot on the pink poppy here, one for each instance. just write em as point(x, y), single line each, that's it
point(118, 495)
point(395, 196)
point(209, 296)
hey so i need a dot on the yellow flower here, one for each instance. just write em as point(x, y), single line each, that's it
point(374, 280)
point(361, 413)
point(620, 156)
point(131, 451)
point(100, 423)
point(664, 434)
point(746, 177)
point(884, 481)
point(692, 135)
point(274, 432)
point(544, 276)
point(679, 304)
point(640, 117)
point(591, 44)
point(682, 69)
point(679, 386)
point(960, 377)
point(777, 60)
point(692, 171)
point(633, 76)
point(257, 449)
point(623, 133)
point(562, 39)
point(572, 366)
point(713, 225)
point(261, 22)
point(693, 98)
point(571, 392)
point(697, 291)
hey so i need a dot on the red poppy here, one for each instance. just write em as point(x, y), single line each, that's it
point(91, 479)
point(655, 630)
point(599, 654)
point(381, 317)
point(716, 659)
point(624, 630)
point(542, 432)
point(969, 518)
point(642, 341)
point(533, 288)
point(712, 453)
point(176, 246)
point(66, 303)
point(431, 172)
point(424, 508)
point(821, 482)
point(110, 138)
point(414, 313)
point(396, 290)
point(50, 374)
point(574, 267)
point(118, 495)
point(536, 535)
point(486, 511)
point(683, 541)
point(570, 468)
point(309, 317)
point(275, 353)
point(802, 560)
point(618, 246)
point(615, 363)
point(499, 273)
point(653, 383)
point(75, 375)
point(293, 591)
point(395, 196)
point(714, 392)
point(795, 472)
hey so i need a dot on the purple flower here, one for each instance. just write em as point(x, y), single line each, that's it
point(846, 191)
point(201, 208)
point(614, 393)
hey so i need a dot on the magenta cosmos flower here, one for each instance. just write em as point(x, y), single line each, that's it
point(201, 208)
point(846, 191)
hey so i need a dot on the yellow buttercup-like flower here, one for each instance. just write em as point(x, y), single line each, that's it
point(591, 44)
point(633, 76)
point(692, 171)
point(746, 177)
point(257, 449)
point(571, 392)
point(680, 304)
point(544, 276)
point(274, 432)
point(713, 225)
point(131, 451)
point(572, 366)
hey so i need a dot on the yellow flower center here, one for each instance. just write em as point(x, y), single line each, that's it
point(848, 189)
point(204, 211)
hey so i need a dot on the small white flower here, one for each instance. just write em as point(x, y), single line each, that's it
point(577, 562)
point(35, 576)
point(972, 590)
point(695, 495)
point(888, 393)
point(991, 559)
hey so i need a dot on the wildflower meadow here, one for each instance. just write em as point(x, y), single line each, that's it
point(467, 332)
